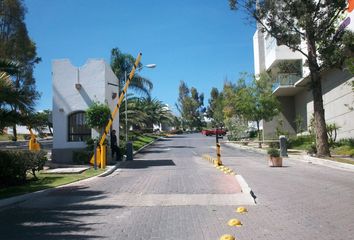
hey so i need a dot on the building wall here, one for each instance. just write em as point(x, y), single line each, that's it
point(338, 100)
point(258, 52)
point(285, 121)
point(93, 78)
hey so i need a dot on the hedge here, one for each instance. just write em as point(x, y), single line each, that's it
point(16, 164)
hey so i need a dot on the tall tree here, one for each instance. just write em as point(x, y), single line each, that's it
point(315, 23)
point(215, 108)
point(256, 102)
point(16, 45)
point(122, 63)
point(190, 105)
point(11, 96)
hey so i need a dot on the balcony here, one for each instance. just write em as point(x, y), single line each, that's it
point(285, 84)
point(275, 53)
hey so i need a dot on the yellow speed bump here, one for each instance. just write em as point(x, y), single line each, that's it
point(241, 210)
point(227, 237)
point(234, 223)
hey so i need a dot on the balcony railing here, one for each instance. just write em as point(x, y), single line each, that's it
point(286, 79)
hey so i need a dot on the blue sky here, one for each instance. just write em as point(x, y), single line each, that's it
point(198, 41)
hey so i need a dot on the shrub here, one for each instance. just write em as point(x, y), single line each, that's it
point(35, 160)
point(311, 149)
point(97, 115)
point(274, 145)
point(82, 157)
point(346, 142)
point(302, 142)
point(272, 152)
point(177, 131)
point(14, 165)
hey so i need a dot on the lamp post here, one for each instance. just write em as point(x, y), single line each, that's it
point(126, 99)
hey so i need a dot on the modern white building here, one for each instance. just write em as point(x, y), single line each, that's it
point(74, 90)
point(293, 90)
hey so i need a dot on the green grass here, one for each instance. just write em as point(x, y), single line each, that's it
point(143, 140)
point(6, 137)
point(342, 160)
point(301, 142)
point(45, 181)
point(344, 150)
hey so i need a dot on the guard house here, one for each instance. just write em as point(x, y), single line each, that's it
point(74, 90)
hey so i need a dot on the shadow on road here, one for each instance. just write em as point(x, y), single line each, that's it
point(148, 163)
point(68, 219)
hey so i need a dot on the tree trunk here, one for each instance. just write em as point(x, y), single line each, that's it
point(259, 136)
point(50, 130)
point(322, 145)
point(14, 133)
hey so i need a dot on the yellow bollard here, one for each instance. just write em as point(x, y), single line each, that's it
point(33, 145)
point(218, 155)
point(103, 157)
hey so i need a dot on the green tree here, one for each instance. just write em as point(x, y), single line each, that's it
point(156, 112)
point(315, 23)
point(190, 106)
point(16, 45)
point(97, 115)
point(39, 121)
point(255, 102)
point(122, 63)
point(135, 114)
point(215, 108)
point(10, 96)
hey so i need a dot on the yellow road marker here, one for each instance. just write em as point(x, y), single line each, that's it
point(227, 237)
point(234, 223)
point(241, 210)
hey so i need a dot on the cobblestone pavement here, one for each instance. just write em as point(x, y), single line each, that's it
point(169, 192)
point(297, 201)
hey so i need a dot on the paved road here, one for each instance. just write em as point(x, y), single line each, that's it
point(171, 193)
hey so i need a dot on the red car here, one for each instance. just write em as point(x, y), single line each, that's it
point(210, 132)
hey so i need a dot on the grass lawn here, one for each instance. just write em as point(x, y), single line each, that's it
point(47, 181)
point(142, 140)
point(6, 137)
point(343, 150)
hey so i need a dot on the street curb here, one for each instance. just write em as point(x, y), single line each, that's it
point(27, 196)
point(147, 145)
point(258, 150)
point(302, 158)
point(245, 188)
point(329, 163)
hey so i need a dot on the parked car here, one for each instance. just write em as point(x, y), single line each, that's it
point(210, 132)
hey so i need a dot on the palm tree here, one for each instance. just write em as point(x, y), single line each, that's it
point(11, 96)
point(135, 115)
point(157, 112)
point(122, 63)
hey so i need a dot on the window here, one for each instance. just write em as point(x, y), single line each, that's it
point(78, 130)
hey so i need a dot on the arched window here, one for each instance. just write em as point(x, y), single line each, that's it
point(78, 130)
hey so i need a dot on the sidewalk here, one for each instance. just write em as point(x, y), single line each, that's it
point(297, 201)
point(298, 156)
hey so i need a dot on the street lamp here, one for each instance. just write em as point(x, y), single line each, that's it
point(126, 99)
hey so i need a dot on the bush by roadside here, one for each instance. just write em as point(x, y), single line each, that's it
point(16, 164)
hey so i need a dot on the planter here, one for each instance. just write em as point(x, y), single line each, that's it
point(275, 161)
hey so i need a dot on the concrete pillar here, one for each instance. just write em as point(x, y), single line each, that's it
point(282, 144)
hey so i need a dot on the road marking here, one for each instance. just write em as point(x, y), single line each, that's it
point(151, 200)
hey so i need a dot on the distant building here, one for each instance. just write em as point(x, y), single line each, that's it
point(74, 90)
point(292, 87)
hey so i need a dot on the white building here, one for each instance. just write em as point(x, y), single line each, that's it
point(293, 89)
point(74, 90)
